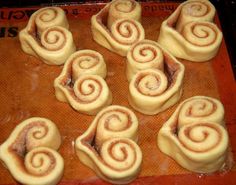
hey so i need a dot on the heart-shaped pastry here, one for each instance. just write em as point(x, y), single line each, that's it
point(30, 152)
point(195, 135)
point(116, 27)
point(81, 82)
point(47, 37)
point(189, 33)
point(154, 88)
point(108, 146)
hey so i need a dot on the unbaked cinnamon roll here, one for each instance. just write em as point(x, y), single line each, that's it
point(123, 9)
point(144, 55)
point(108, 146)
point(121, 32)
point(86, 62)
point(195, 135)
point(30, 152)
point(47, 37)
point(152, 91)
point(87, 94)
point(195, 10)
point(189, 32)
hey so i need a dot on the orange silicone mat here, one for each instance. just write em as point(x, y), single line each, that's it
point(26, 90)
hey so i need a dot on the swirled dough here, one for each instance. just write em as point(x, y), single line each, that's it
point(144, 54)
point(81, 84)
point(47, 37)
point(108, 146)
point(195, 135)
point(86, 62)
point(123, 9)
point(123, 27)
point(152, 90)
point(30, 152)
point(189, 32)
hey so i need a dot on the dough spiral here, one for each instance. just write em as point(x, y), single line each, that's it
point(201, 137)
point(30, 152)
point(48, 17)
point(81, 84)
point(123, 9)
point(144, 55)
point(189, 33)
point(121, 154)
point(89, 94)
point(108, 146)
point(87, 62)
point(116, 121)
point(201, 34)
point(195, 10)
point(197, 134)
point(199, 109)
point(47, 37)
point(152, 90)
point(126, 31)
point(122, 30)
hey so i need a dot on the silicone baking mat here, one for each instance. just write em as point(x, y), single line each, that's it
point(26, 90)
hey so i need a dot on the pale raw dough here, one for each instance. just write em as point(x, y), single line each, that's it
point(122, 30)
point(81, 82)
point(47, 37)
point(33, 140)
point(195, 135)
point(189, 33)
point(145, 54)
point(108, 146)
point(118, 9)
point(152, 91)
point(86, 62)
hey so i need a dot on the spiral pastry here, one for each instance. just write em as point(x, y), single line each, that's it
point(201, 109)
point(123, 9)
point(195, 10)
point(88, 94)
point(47, 37)
point(121, 34)
point(145, 54)
point(86, 62)
point(197, 134)
point(115, 121)
point(30, 152)
point(108, 146)
point(152, 91)
point(189, 32)
point(45, 18)
point(201, 34)
point(81, 84)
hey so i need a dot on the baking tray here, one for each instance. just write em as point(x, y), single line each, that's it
point(26, 90)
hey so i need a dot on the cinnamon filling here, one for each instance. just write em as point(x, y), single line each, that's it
point(142, 52)
point(187, 131)
point(57, 38)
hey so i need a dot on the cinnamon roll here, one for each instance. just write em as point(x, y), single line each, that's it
point(115, 32)
point(144, 55)
point(189, 33)
point(47, 37)
point(195, 10)
point(152, 91)
point(108, 146)
point(30, 152)
point(88, 94)
point(195, 135)
point(123, 9)
point(86, 62)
